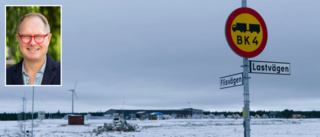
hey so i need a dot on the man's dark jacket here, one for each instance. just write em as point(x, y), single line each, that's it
point(51, 73)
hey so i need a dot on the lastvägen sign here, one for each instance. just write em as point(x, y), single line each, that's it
point(231, 80)
point(266, 67)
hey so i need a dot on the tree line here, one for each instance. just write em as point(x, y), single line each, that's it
point(27, 116)
point(277, 114)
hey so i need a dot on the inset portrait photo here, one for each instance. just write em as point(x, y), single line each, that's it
point(33, 45)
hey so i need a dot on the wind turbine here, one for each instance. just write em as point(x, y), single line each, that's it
point(73, 91)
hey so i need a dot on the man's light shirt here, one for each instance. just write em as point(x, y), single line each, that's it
point(39, 75)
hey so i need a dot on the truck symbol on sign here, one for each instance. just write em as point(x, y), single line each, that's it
point(242, 27)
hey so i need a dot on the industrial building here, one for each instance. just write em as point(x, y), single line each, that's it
point(179, 113)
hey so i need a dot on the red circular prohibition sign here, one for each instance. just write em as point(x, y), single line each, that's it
point(233, 46)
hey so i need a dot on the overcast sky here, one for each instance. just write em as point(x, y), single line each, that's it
point(164, 54)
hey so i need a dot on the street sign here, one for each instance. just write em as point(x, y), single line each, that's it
point(231, 81)
point(246, 32)
point(267, 67)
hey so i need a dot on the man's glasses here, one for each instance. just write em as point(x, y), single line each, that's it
point(26, 39)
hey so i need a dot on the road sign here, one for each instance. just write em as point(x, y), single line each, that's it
point(246, 32)
point(267, 67)
point(231, 81)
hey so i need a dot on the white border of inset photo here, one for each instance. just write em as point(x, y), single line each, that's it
point(5, 43)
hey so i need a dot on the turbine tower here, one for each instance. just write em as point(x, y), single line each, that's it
point(73, 92)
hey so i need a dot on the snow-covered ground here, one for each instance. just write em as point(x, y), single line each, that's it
point(173, 128)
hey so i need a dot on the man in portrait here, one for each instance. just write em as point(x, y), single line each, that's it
point(37, 67)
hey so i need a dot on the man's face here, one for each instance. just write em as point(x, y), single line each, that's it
point(33, 51)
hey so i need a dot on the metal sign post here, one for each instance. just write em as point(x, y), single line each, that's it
point(246, 108)
point(247, 35)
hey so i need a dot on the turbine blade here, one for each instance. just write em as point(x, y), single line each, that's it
point(75, 85)
point(75, 94)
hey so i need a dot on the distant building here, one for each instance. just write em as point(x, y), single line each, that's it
point(257, 116)
point(221, 116)
point(297, 116)
point(230, 116)
point(236, 116)
point(275, 114)
point(141, 115)
point(41, 115)
point(179, 113)
point(75, 120)
point(264, 116)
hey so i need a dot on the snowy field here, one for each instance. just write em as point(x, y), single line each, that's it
point(172, 128)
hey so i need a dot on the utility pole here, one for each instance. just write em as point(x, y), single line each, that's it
point(24, 115)
point(32, 111)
